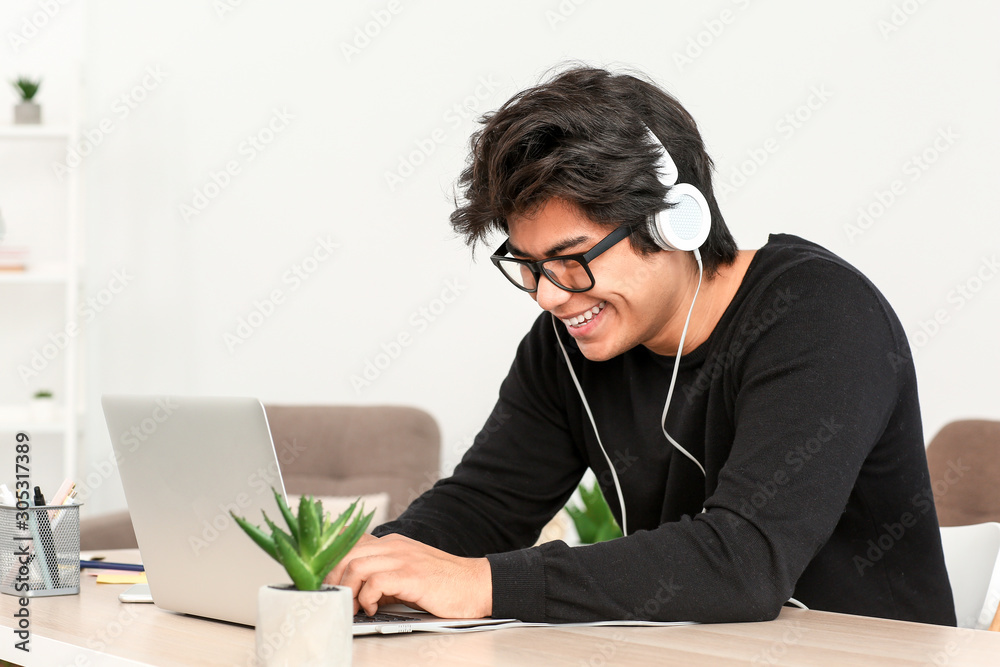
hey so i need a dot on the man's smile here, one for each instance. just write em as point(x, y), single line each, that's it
point(580, 323)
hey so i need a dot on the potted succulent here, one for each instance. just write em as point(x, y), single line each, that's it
point(42, 407)
point(594, 523)
point(27, 112)
point(307, 622)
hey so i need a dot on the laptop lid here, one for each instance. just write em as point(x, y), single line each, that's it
point(185, 462)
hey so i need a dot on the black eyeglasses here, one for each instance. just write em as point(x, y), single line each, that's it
point(568, 272)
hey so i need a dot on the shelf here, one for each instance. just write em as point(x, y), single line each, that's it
point(33, 428)
point(32, 277)
point(34, 132)
point(14, 418)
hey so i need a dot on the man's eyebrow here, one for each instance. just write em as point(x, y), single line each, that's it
point(551, 252)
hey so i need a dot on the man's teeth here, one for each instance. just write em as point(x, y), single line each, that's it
point(586, 316)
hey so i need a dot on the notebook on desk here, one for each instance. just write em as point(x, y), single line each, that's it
point(185, 462)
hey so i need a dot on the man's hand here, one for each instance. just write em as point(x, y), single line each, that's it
point(397, 569)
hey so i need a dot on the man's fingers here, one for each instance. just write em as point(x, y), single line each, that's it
point(397, 569)
point(361, 569)
point(374, 589)
point(370, 594)
point(337, 573)
point(376, 580)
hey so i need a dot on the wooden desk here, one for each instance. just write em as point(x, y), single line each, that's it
point(93, 628)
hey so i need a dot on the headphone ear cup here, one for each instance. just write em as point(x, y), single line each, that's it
point(685, 225)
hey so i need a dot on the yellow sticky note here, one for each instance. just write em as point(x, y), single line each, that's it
point(135, 578)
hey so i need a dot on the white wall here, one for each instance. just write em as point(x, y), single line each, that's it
point(891, 77)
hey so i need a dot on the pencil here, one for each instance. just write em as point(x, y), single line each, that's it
point(104, 565)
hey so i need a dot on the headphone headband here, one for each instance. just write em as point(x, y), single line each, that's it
point(685, 224)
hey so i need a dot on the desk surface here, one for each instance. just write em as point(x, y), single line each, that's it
point(93, 628)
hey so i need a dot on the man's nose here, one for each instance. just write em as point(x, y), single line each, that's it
point(548, 296)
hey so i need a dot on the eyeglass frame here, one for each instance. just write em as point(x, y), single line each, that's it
point(583, 259)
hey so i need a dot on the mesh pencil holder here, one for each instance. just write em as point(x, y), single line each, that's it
point(40, 550)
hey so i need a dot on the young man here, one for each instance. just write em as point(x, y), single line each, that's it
point(788, 460)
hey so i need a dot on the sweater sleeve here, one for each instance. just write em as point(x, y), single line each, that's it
point(521, 469)
point(812, 394)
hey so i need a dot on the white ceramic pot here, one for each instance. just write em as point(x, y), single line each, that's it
point(304, 628)
point(27, 113)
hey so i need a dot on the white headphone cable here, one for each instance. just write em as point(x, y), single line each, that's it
point(670, 391)
point(673, 377)
point(666, 406)
point(586, 406)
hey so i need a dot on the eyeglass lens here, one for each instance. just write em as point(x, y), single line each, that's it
point(566, 273)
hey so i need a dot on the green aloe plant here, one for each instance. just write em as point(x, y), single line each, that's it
point(594, 523)
point(314, 543)
point(26, 87)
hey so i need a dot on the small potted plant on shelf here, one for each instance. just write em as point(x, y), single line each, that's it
point(28, 112)
point(42, 407)
point(306, 622)
point(595, 522)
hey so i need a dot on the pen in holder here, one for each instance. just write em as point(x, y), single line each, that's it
point(40, 550)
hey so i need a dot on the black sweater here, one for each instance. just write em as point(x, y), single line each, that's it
point(802, 407)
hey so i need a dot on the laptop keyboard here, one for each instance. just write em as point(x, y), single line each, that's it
point(380, 617)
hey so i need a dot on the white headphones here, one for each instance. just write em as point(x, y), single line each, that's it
point(683, 226)
point(686, 223)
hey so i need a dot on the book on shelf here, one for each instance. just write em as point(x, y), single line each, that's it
point(13, 258)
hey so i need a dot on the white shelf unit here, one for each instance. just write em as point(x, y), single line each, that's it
point(67, 422)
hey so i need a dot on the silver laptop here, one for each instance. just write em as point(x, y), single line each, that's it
point(185, 462)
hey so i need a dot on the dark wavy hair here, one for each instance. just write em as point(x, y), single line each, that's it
point(581, 137)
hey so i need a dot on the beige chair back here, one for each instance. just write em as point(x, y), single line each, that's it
point(964, 462)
